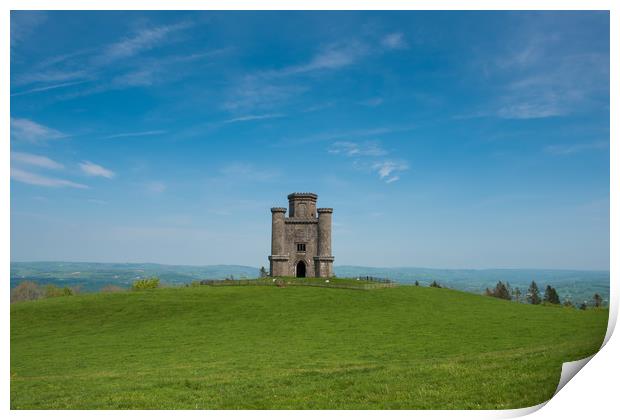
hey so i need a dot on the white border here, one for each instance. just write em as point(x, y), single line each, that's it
point(593, 394)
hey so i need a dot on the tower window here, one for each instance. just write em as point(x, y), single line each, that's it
point(301, 247)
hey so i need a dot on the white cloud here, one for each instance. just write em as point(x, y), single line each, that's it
point(348, 148)
point(35, 160)
point(331, 57)
point(43, 181)
point(394, 41)
point(270, 88)
point(92, 169)
point(26, 130)
point(386, 168)
point(49, 87)
point(143, 40)
point(252, 118)
point(136, 134)
point(537, 78)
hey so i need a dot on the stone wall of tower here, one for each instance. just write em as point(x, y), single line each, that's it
point(301, 232)
point(278, 260)
point(324, 260)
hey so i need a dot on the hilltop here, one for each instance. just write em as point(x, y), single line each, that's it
point(576, 285)
point(292, 347)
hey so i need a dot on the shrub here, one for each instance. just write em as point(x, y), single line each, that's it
point(52, 290)
point(145, 284)
point(26, 290)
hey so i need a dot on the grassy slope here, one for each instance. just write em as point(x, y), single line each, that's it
point(296, 347)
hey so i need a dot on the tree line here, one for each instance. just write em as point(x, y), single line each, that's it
point(550, 296)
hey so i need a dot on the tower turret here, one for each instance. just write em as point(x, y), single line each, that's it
point(278, 259)
point(302, 205)
point(324, 260)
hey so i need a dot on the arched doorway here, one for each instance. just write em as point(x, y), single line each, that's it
point(300, 271)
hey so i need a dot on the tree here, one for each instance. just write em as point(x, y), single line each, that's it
point(583, 306)
point(551, 296)
point(435, 284)
point(598, 300)
point(263, 273)
point(533, 295)
point(417, 283)
point(517, 294)
point(568, 303)
point(501, 291)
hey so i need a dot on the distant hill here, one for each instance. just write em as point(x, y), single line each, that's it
point(573, 284)
point(265, 347)
point(577, 285)
point(93, 276)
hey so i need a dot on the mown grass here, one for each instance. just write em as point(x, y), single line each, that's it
point(297, 347)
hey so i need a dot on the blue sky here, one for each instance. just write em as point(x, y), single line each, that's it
point(441, 139)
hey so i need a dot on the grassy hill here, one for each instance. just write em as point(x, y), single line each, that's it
point(294, 347)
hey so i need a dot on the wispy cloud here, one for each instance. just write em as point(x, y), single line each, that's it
point(252, 93)
point(42, 181)
point(352, 149)
point(569, 149)
point(536, 78)
point(252, 118)
point(388, 169)
point(48, 87)
point(23, 129)
point(331, 57)
point(92, 169)
point(35, 160)
point(136, 134)
point(143, 40)
point(247, 171)
point(394, 41)
point(348, 134)
point(23, 23)
point(270, 88)
point(156, 187)
point(363, 156)
point(95, 65)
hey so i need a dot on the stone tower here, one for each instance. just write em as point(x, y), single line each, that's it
point(301, 244)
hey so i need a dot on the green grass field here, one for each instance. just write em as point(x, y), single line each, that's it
point(294, 347)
